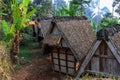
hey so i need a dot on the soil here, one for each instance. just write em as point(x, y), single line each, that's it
point(39, 69)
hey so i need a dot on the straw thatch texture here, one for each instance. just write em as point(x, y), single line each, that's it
point(52, 40)
point(116, 40)
point(45, 26)
point(113, 29)
point(79, 34)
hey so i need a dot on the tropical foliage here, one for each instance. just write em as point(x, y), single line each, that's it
point(70, 10)
point(8, 31)
point(4, 59)
point(82, 4)
point(43, 7)
point(106, 22)
point(12, 31)
point(75, 8)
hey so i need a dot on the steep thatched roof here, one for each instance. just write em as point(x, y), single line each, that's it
point(116, 40)
point(45, 25)
point(78, 33)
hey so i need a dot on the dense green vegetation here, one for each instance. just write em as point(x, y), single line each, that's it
point(74, 8)
point(106, 22)
point(70, 10)
point(12, 31)
point(11, 27)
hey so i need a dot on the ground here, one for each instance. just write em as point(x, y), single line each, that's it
point(39, 69)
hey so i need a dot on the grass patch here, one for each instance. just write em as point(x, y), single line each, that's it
point(26, 54)
point(25, 50)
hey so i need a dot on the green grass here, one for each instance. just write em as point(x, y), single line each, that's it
point(26, 53)
point(25, 50)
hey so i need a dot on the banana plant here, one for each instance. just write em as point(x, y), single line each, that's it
point(8, 31)
point(12, 31)
point(20, 18)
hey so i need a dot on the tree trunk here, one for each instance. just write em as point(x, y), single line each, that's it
point(15, 47)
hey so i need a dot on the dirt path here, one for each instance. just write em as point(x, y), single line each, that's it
point(39, 69)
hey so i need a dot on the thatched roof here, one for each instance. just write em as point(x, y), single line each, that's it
point(116, 40)
point(52, 40)
point(79, 34)
point(45, 26)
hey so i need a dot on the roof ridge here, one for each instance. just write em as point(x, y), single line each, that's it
point(67, 18)
point(63, 18)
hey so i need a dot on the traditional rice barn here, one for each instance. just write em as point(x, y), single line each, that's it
point(104, 57)
point(70, 39)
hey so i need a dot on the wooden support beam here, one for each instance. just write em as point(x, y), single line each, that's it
point(113, 50)
point(88, 58)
